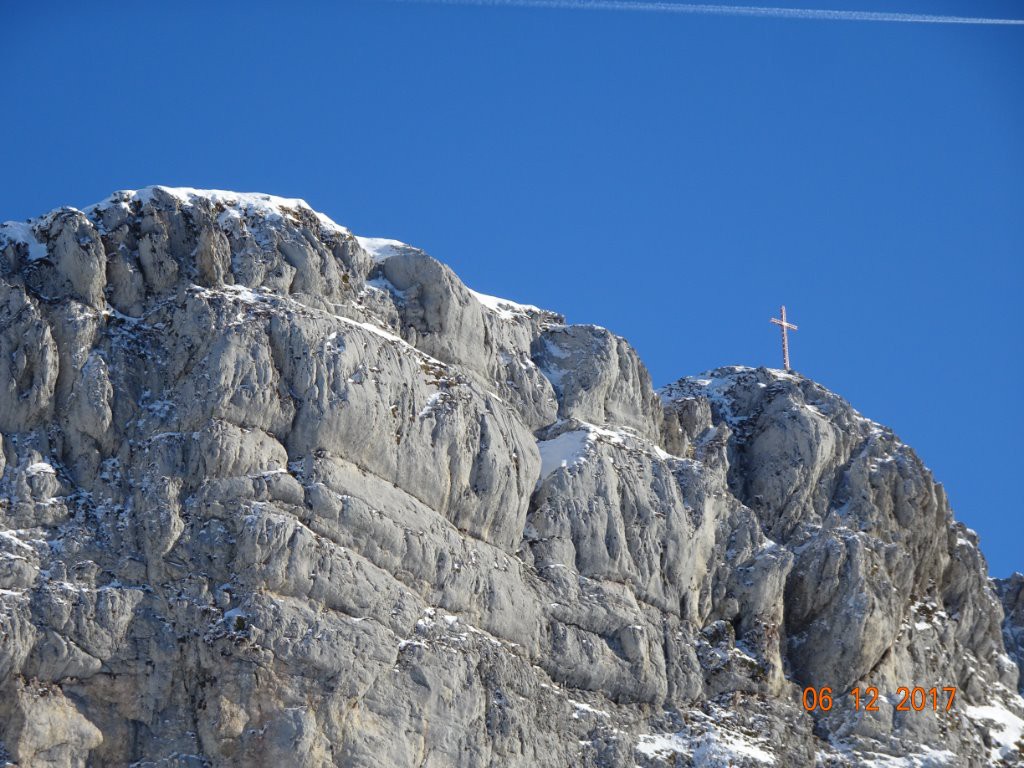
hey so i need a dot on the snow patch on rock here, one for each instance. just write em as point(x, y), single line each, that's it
point(1007, 730)
point(718, 747)
point(23, 232)
point(505, 309)
point(380, 248)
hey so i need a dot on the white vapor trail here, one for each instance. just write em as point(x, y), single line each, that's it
point(715, 9)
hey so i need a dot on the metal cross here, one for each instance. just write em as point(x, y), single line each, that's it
point(785, 339)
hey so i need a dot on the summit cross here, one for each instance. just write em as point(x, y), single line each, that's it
point(784, 326)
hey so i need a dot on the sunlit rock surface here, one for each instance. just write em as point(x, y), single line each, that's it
point(274, 494)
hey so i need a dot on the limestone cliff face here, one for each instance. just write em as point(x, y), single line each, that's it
point(274, 494)
point(1011, 591)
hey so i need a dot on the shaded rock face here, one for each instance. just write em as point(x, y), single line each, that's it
point(1011, 592)
point(273, 494)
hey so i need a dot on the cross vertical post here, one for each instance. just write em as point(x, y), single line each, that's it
point(784, 326)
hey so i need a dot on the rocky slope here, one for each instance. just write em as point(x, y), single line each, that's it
point(273, 494)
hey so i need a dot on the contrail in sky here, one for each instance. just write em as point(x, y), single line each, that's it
point(714, 9)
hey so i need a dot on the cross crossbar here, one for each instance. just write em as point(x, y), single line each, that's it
point(784, 326)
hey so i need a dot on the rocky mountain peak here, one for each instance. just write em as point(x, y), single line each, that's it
point(273, 493)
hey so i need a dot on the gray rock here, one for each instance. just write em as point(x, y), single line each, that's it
point(272, 494)
point(1011, 592)
point(598, 377)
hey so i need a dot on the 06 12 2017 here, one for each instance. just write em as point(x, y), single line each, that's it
point(916, 699)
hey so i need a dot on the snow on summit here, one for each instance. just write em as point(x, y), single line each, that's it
point(250, 203)
point(237, 205)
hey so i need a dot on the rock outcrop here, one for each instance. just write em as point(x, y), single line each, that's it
point(273, 494)
point(1011, 592)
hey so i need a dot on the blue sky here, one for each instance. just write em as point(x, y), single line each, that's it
point(674, 178)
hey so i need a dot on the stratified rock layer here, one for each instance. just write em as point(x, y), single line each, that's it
point(273, 494)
